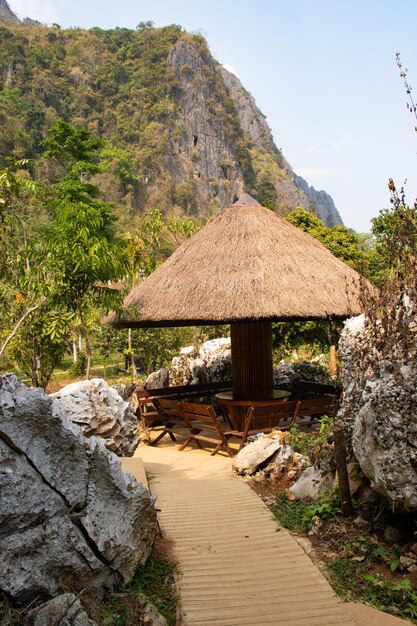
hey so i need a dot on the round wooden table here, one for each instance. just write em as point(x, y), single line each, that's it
point(235, 410)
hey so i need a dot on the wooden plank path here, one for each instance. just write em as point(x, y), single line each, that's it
point(237, 567)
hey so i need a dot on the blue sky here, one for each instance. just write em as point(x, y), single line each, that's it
point(322, 71)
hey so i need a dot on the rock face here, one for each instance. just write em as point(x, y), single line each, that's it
point(211, 363)
point(100, 411)
point(292, 190)
point(286, 375)
point(64, 610)
point(208, 156)
point(67, 506)
point(324, 206)
point(379, 412)
point(214, 159)
point(6, 14)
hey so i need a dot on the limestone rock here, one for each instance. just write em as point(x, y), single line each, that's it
point(67, 506)
point(248, 460)
point(158, 379)
point(6, 14)
point(312, 483)
point(286, 375)
point(378, 413)
point(99, 410)
point(64, 610)
point(212, 364)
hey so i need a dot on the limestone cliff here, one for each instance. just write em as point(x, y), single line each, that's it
point(183, 134)
point(6, 14)
point(222, 145)
point(292, 190)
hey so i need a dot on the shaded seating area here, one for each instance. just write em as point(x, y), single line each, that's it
point(199, 424)
point(203, 422)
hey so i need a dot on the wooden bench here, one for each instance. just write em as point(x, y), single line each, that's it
point(169, 412)
point(265, 419)
point(311, 410)
point(146, 410)
point(305, 391)
point(204, 426)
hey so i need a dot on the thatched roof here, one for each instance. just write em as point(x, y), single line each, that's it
point(247, 263)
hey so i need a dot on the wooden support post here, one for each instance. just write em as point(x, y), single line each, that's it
point(342, 472)
point(252, 374)
point(333, 367)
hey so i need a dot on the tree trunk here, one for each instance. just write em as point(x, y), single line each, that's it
point(342, 472)
point(132, 356)
point(333, 367)
point(87, 343)
point(74, 351)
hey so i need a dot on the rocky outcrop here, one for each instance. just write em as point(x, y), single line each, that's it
point(67, 506)
point(6, 14)
point(64, 610)
point(292, 190)
point(269, 455)
point(100, 411)
point(252, 120)
point(211, 363)
point(206, 154)
point(380, 406)
point(225, 144)
point(323, 204)
point(287, 375)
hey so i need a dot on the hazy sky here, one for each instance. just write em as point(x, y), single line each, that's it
point(322, 71)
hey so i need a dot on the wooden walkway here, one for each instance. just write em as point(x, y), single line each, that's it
point(237, 567)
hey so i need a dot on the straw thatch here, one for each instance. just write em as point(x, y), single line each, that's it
point(247, 263)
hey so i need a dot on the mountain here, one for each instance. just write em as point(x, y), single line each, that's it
point(6, 14)
point(180, 130)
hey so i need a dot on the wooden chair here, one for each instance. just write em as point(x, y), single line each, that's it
point(146, 409)
point(266, 418)
point(312, 409)
point(204, 426)
point(171, 417)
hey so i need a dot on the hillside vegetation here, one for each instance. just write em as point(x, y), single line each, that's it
point(179, 130)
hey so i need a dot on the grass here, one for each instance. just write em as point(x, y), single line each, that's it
point(156, 580)
point(297, 515)
point(356, 579)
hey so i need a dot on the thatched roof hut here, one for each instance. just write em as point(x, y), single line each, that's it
point(247, 264)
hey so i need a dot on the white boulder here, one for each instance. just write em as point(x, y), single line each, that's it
point(99, 410)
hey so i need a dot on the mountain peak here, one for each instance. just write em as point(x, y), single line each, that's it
point(6, 14)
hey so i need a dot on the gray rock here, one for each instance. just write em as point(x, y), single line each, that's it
point(64, 610)
point(100, 411)
point(286, 375)
point(379, 411)
point(6, 14)
point(68, 506)
point(158, 379)
point(312, 483)
point(248, 460)
point(323, 203)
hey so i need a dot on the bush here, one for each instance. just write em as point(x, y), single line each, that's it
point(79, 368)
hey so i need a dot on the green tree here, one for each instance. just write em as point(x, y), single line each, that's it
point(342, 242)
point(82, 254)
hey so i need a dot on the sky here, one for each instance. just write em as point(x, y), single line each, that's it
point(323, 72)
